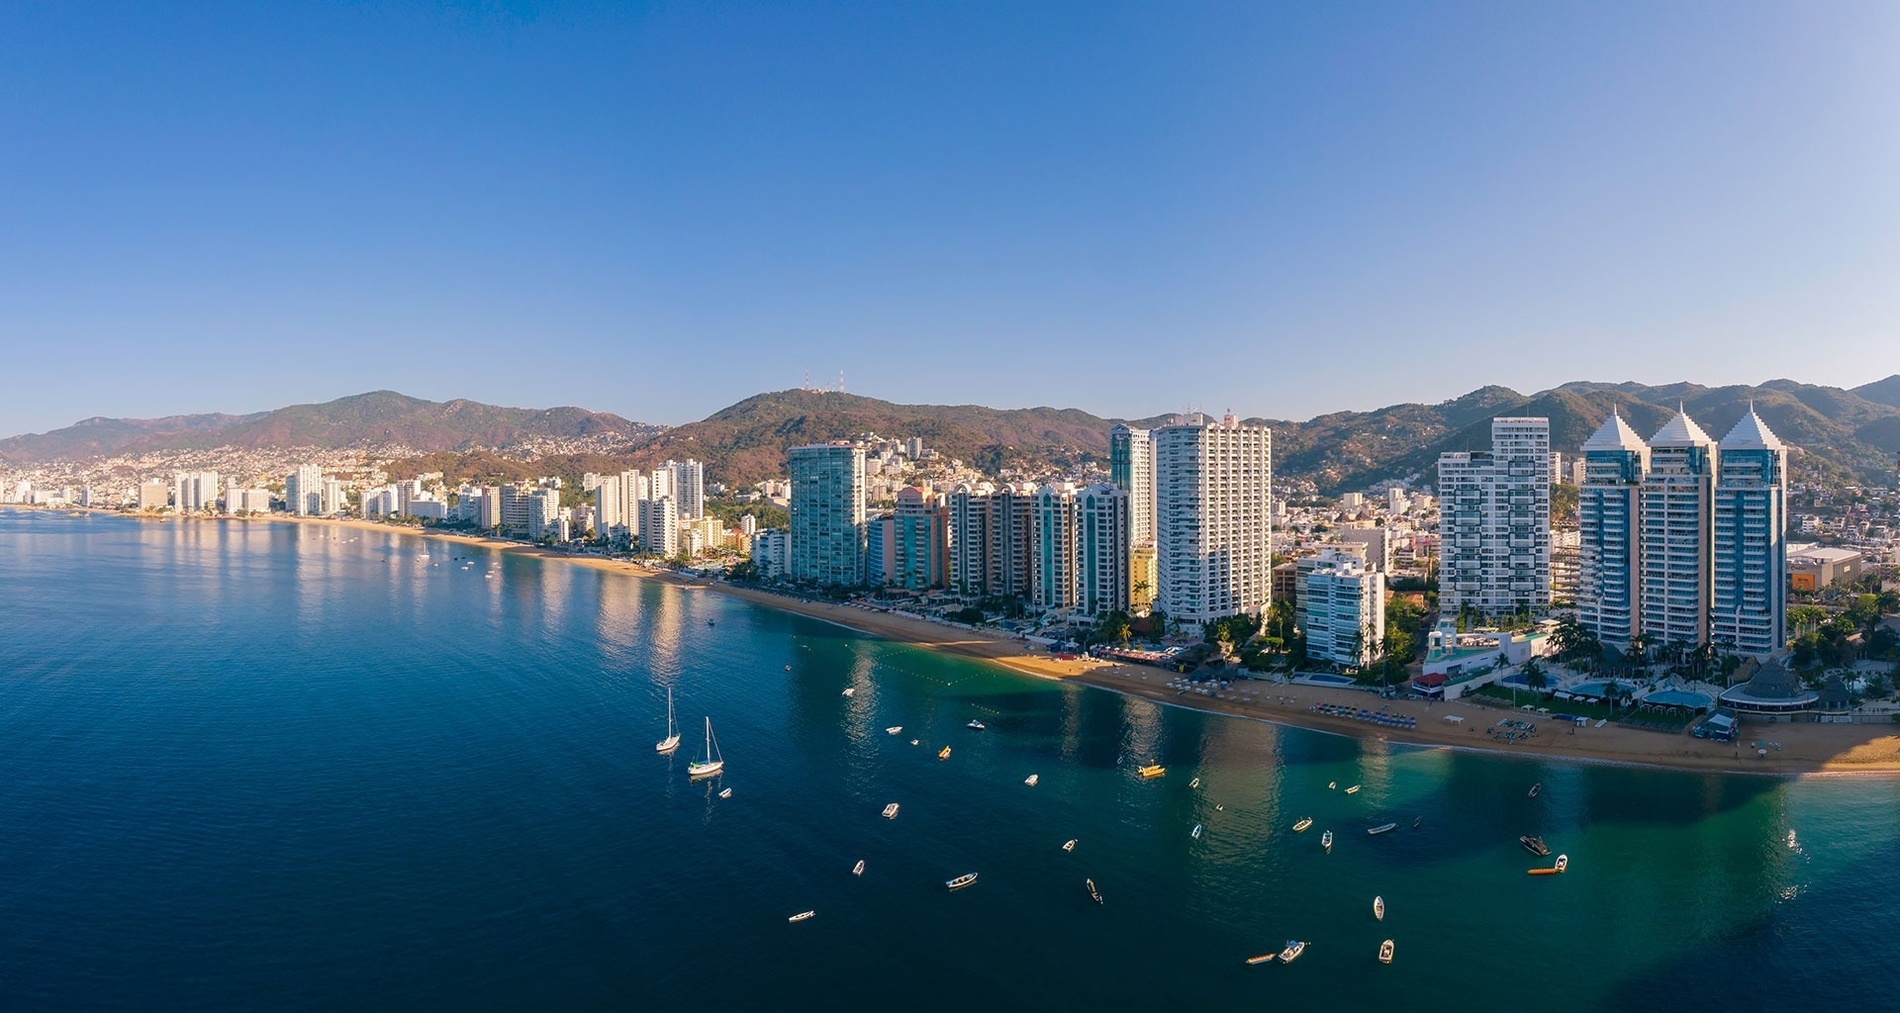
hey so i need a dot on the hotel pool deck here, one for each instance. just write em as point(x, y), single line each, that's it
point(1679, 698)
point(1327, 679)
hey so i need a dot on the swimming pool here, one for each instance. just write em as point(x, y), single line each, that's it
point(1679, 698)
point(1597, 689)
point(1328, 679)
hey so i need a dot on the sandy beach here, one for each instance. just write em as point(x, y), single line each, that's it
point(1805, 748)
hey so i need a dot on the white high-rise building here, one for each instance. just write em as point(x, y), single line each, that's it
point(1609, 509)
point(1341, 609)
point(1676, 579)
point(1749, 614)
point(688, 487)
point(1213, 522)
point(660, 527)
point(331, 502)
point(1102, 549)
point(1494, 521)
point(303, 490)
point(195, 492)
point(610, 516)
point(970, 537)
point(1131, 466)
point(827, 512)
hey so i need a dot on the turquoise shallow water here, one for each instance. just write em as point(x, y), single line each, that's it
point(291, 766)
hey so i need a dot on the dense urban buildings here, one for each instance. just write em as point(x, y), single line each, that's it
point(1675, 551)
point(1213, 520)
point(1494, 521)
point(920, 535)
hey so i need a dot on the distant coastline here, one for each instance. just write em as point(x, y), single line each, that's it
point(1806, 748)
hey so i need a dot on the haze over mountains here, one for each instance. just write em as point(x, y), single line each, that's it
point(1840, 436)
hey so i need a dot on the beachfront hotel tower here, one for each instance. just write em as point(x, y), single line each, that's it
point(1131, 467)
point(1102, 548)
point(1053, 576)
point(827, 514)
point(1494, 521)
point(1675, 545)
point(1213, 518)
point(1750, 558)
point(1609, 508)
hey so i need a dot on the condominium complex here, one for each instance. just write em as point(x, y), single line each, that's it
point(1053, 579)
point(1494, 521)
point(1677, 493)
point(1341, 608)
point(1749, 613)
point(688, 481)
point(1682, 538)
point(1103, 556)
point(1213, 519)
point(195, 492)
point(827, 514)
point(991, 534)
point(920, 540)
point(1609, 509)
point(303, 490)
point(1131, 467)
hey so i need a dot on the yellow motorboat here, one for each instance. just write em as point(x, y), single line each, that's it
point(1152, 770)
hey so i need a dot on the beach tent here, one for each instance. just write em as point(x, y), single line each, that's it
point(1453, 719)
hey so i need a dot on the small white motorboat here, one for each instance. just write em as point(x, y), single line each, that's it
point(1069, 845)
point(1326, 840)
point(1094, 894)
point(890, 811)
point(1303, 824)
point(913, 742)
point(1352, 790)
point(1294, 948)
point(1196, 783)
point(1385, 952)
point(1383, 828)
point(1332, 785)
point(1196, 832)
point(801, 916)
point(1535, 788)
point(975, 725)
point(893, 730)
point(1032, 779)
point(725, 793)
point(848, 690)
point(1378, 908)
point(858, 869)
point(961, 881)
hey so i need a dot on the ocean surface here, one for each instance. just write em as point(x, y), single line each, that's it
point(297, 766)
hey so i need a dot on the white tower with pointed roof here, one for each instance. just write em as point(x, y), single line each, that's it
point(1749, 612)
point(1675, 545)
point(1609, 507)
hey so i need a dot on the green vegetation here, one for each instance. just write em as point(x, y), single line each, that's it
point(730, 510)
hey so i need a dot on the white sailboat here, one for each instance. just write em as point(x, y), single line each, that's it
point(672, 740)
point(713, 763)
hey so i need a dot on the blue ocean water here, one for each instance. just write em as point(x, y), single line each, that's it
point(299, 766)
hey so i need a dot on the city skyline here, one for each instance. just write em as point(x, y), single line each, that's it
point(426, 199)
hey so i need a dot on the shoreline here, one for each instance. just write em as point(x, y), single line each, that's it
point(1814, 750)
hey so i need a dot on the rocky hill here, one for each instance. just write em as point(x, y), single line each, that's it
point(379, 418)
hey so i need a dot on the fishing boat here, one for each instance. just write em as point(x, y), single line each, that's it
point(1032, 779)
point(1332, 785)
point(975, 725)
point(848, 690)
point(1069, 845)
point(1264, 958)
point(858, 869)
point(1378, 908)
point(1417, 822)
point(1534, 845)
point(1563, 863)
point(893, 730)
point(944, 753)
point(890, 811)
point(961, 881)
point(713, 763)
point(801, 916)
point(1152, 770)
point(1303, 824)
point(913, 742)
point(1294, 948)
point(1196, 783)
point(1326, 840)
point(1383, 828)
point(1220, 807)
point(1535, 788)
point(1354, 790)
point(672, 740)
point(1094, 894)
point(726, 793)
point(1385, 952)
point(1196, 832)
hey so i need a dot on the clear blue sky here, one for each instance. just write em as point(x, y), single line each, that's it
point(656, 211)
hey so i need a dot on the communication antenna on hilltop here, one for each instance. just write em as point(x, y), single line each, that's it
point(841, 381)
point(807, 384)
